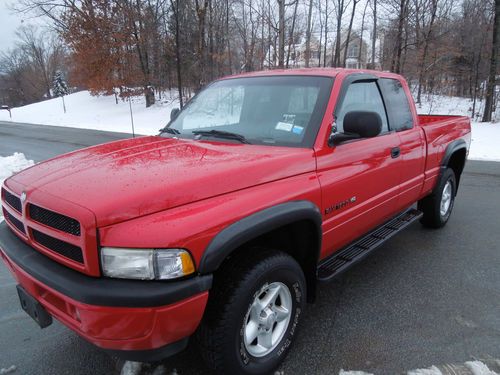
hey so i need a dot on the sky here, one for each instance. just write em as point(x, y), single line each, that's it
point(8, 24)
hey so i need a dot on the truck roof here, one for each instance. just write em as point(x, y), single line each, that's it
point(327, 72)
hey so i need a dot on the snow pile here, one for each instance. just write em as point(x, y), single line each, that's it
point(131, 368)
point(97, 112)
point(12, 164)
point(8, 370)
point(479, 368)
point(433, 370)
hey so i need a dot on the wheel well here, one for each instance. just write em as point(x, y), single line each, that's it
point(298, 239)
point(457, 163)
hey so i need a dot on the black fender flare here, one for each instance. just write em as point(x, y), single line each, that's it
point(259, 223)
point(458, 144)
point(450, 150)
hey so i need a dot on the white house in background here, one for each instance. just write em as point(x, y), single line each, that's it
point(357, 52)
point(354, 59)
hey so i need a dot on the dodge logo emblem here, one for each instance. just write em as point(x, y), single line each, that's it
point(23, 197)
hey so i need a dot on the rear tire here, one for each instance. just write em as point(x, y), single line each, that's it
point(253, 313)
point(437, 207)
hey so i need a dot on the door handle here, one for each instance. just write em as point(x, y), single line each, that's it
point(395, 152)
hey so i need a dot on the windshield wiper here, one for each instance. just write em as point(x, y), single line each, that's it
point(221, 134)
point(169, 130)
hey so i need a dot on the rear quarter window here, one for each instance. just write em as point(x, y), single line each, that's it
point(398, 107)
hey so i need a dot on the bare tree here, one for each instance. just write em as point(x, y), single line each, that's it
point(44, 52)
point(176, 10)
point(292, 31)
point(490, 90)
point(281, 34)
point(360, 51)
point(340, 8)
point(308, 34)
point(433, 5)
point(348, 38)
point(402, 12)
point(374, 32)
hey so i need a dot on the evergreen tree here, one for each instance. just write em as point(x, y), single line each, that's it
point(60, 87)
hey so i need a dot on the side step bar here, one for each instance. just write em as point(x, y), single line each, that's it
point(343, 259)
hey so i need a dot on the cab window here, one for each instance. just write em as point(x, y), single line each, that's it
point(361, 96)
point(398, 107)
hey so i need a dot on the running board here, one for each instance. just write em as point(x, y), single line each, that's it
point(343, 259)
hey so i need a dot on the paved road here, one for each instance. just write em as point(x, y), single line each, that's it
point(427, 297)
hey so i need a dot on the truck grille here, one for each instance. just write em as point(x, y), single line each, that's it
point(11, 219)
point(54, 220)
point(61, 247)
point(12, 200)
point(66, 232)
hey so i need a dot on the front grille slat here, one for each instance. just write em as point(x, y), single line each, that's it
point(61, 247)
point(12, 200)
point(54, 220)
point(15, 222)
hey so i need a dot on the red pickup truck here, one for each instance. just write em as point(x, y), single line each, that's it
point(220, 227)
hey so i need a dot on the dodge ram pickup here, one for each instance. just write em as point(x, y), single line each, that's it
point(219, 228)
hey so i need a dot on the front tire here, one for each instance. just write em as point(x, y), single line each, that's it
point(437, 207)
point(253, 313)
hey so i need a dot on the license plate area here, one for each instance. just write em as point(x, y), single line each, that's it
point(33, 308)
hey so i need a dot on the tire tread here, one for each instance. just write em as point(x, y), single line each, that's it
point(232, 277)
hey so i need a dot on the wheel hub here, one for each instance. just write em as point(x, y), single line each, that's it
point(446, 198)
point(267, 319)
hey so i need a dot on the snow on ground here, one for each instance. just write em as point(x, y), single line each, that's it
point(485, 141)
point(446, 105)
point(97, 112)
point(12, 164)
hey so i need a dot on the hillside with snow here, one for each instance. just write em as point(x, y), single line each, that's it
point(97, 112)
point(102, 113)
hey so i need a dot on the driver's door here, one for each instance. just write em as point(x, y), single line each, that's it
point(360, 178)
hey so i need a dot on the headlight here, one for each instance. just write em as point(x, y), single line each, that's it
point(146, 264)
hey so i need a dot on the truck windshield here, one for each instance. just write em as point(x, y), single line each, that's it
point(273, 110)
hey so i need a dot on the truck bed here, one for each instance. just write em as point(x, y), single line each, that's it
point(440, 131)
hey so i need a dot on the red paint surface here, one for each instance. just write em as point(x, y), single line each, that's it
point(119, 328)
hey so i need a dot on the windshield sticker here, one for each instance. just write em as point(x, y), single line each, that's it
point(288, 118)
point(297, 129)
point(284, 126)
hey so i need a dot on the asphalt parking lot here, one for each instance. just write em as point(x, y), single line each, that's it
point(427, 297)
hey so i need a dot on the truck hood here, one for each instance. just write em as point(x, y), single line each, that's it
point(122, 180)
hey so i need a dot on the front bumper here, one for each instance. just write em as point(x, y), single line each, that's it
point(137, 320)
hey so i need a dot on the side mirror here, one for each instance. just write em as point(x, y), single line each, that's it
point(358, 124)
point(174, 113)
